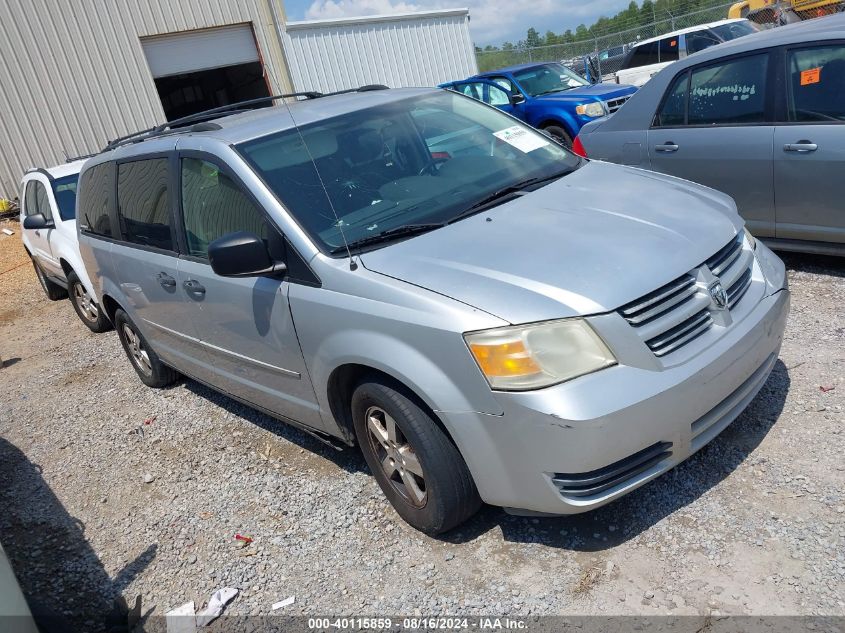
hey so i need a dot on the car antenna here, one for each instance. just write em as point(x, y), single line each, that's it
point(353, 265)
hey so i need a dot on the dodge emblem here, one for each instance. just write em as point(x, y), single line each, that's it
point(718, 296)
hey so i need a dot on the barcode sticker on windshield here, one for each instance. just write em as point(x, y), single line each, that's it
point(522, 139)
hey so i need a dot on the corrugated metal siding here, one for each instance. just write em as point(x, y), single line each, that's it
point(74, 74)
point(423, 49)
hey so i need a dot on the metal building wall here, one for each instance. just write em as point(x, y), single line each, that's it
point(74, 74)
point(413, 49)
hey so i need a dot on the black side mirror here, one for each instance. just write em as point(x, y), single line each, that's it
point(517, 98)
point(38, 221)
point(242, 254)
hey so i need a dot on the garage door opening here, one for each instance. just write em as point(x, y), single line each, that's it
point(207, 68)
point(189, 93)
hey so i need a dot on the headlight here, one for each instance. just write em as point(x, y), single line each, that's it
point(750, 239)
point(539, 355)
point(593, 109)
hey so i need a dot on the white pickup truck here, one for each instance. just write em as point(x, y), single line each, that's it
point(645, 59)
point(48, 218)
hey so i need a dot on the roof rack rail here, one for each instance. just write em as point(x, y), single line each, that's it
point(202, 118)
point(73, 159)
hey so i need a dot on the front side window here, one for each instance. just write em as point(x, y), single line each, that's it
point(645, 55)
point(423, 160)
point(95, 199)
point(733, 92)
point(669, 50)
point(143, 203)
point(31, 197)
point(816, 80)
point(548, 78)
point(64, 191)
point(505, 83)
point(497, 96)
point(213, 206)
point(699, 40)
point(673, 110)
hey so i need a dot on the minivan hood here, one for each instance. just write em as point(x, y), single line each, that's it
point(587, 243)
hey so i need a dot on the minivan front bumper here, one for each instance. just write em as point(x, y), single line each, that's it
point(579, 445)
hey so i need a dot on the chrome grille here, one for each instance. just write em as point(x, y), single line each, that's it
point(726, 256)
point(614, 104)
point(675, 314)
point(671, 316)
point(737, 290)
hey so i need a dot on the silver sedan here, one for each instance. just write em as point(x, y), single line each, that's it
point(761, 118)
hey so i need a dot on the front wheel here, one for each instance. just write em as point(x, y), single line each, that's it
point(86, 308)
point(559, 134)
point(420, 471)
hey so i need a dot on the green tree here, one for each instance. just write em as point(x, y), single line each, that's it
point(533, 38)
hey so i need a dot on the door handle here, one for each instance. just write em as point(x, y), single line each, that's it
point(193, 286)
point(166, 280)
point(667, 147)
point(802, 147)
point(37, 232)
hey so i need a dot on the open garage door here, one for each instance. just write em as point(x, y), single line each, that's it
point(203, 69)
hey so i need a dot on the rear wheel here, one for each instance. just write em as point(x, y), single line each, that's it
point(53, 290)
point(559, 134)
point(146, 362)
point(86, 308)
point(420, 471)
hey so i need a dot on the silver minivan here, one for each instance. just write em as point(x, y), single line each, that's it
point(488, 316)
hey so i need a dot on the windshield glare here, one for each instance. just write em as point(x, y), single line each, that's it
point(548, 78)
point(735, 29)
point(64, 191)
point(414, 161)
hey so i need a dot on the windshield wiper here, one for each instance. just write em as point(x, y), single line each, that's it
point(548, 92)
point(497, 197)
point(397, 231)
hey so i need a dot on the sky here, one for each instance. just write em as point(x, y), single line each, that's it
point(491, 21)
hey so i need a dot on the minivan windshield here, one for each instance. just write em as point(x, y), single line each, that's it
point(401, 168)
point(64, 190)
point(548, 78)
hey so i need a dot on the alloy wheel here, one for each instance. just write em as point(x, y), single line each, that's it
point(397, 458)
point(136, 349)
point(86, 304)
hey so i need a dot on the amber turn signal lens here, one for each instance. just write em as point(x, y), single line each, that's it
point(504, 359)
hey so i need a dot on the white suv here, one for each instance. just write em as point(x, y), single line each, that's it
point(48, 217)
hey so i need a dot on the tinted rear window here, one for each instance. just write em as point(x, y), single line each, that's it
point(95, 195)
point(143, 202)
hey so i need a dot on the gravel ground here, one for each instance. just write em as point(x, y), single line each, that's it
point(113, 489)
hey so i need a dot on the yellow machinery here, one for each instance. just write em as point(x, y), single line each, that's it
point(774, 12)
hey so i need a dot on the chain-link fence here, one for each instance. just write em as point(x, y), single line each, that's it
point(600, 56)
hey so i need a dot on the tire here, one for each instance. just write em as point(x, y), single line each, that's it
point(559, 134)
point(146, 362)
point(445, 495)
point(53, 290)
point(86, 308)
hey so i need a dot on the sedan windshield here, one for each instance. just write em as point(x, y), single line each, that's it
point(64, 190)
point(402, 168)
point(548, 78)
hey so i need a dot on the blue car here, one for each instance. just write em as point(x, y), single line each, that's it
point(548, 96)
